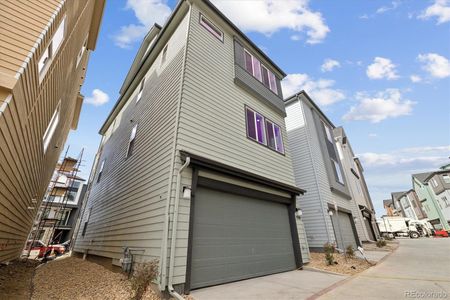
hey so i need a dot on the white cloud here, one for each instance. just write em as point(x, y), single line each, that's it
point(269, 16)
point(373, 135)
point(329, 64)
point(321, 90)
point(383, 9)
point(98, 98)
point(382, 68)
point(415, 78)
point(440, 9)
point(376, 108)
point(147, 13)
point(435, 64)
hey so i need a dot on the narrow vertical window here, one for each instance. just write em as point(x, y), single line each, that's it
point(81, 52)
point(86, 222)
point(100, 172)
point(337, 171)
point(132, 141)
point(255, 126)
point(274, 137)
point(273, 83)
point(265, 76)
point(257, 69)
point(164, 55)
point(327, 132)
point(58, 37)
point(51, 128)
point(43, 60)
point(141, 88)
point(248, 62)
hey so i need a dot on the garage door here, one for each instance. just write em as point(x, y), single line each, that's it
point(369, 229)
point(237, 237)
point(344, 230)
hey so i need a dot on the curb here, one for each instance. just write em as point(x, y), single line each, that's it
point(339, 283)
point(312, 269)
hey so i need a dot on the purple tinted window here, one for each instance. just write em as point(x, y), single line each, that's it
point(260, 128)
point(248, 62)
point(257, 69)
point(270, 135)
point(273, 83)
point(265, 77)
point(278, 139)
point(251, 129)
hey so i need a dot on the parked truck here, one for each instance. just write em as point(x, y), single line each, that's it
point(400, 226)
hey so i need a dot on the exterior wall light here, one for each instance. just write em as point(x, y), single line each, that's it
point(298, 212)
point(186, 192)
point(330, 212)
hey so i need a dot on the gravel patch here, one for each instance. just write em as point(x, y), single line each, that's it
point(77, 279)
point(15, 279)
point(348, 266)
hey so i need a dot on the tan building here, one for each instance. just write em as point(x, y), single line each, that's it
point(44, 50)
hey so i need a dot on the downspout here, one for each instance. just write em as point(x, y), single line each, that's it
point(174, 230)
point(163, 257)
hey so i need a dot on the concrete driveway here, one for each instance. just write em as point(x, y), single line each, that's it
point(296, 285)
point(418, 269)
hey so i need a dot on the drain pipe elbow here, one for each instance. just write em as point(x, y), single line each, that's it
point(170, 288)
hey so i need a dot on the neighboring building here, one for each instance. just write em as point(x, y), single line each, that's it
point(328, 208)
point(44, 50)
point(390, 209)
point(409, 205)
point(430, 204)
point(61, 206)
point(439, 184)
point(365, 219)
point(196, 142)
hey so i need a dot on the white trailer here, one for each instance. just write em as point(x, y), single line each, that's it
point(398, 226)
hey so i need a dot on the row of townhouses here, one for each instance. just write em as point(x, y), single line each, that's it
point(204, 166)
point(44, 51)
point(429, 199)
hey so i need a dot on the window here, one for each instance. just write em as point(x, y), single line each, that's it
point(100, 172)
point(328, 132)
point(337, 171)
point(434, 182)
point(274, 138)
point(255, 126)
point(86, 222)
point(260, 72)
point(446, 178)
point(445, 200)
point(81, 52)
point(164, 55)
point(211, 28)
point(52, 49)
point(132, 140)
point(51, 128)
point(141, 88)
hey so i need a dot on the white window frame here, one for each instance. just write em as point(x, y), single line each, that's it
point(132, 138)
point(337, 167)
point(81, 52)
point(51, 127)
point(60, 32)
point(264, 142)
point(141, 88)
point(164, 54)
point(328, 132)
point(446, 178)
point(211, 27)
point(100, 172)
point(52, 49)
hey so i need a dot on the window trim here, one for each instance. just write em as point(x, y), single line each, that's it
point(256, 132)
point(164, 54)
point(211, 27)
point(338, 171)
point(274, 135)
point(81, 52)
point(100, 172)
point(132, 141)
point(51, 127)
point(262, 68)
point(327, 132)
point(141, 88)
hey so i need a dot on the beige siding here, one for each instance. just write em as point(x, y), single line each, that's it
point(25, 169)
point(128, 204)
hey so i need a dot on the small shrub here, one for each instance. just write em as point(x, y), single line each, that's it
point(329, 250)
point(350, 252)
point(142, 276)
point(381, 243)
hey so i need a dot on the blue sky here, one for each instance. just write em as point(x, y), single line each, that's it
point(379, 68)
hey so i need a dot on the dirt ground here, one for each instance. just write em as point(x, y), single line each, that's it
point(15, 280)
point(390, 246)
point(74, 278)
point(344, 265)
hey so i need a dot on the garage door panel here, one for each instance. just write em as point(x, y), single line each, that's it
point(236, 237)
point(344, 230)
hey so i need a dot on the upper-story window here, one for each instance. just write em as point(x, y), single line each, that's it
point(100, 172)
point(263, 131)
point(213, 29)
point(141, 88)
point(132, 141)
point(260, 72)
point(338, 171)
point(164, 55)
point(434, 182)
point(81, 52)
point(52, 48)
point(328, 132)
point(51, 128)
point(274, 137)
point(446, 178)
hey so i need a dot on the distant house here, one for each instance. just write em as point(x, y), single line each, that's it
point(193, 168)
point(60, 208)
point(365, 219)
point(329, 212)
point(432, 189)
point(409, 204)
point(390, 208)
point(44, 52)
